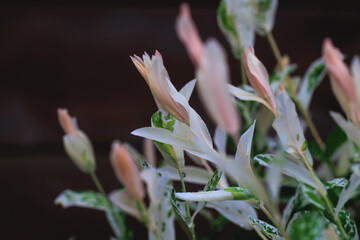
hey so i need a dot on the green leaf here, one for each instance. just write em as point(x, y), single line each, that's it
point(268, 230)
point(166, 122)
point(240, 193)
point(334, 141)
point(348, 223)
point(307, 226)
point(94, 200)
point(180, 209)
point(305, 197)
point(313, 77)
point(279, 77)
point(227, 25)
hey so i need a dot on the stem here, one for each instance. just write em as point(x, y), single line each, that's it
point(243, 74)
point(309, 122)
point(323, 195)
point(293, 94)
point(277, 223)
point(113, 213)
point(148, 223)
point(192, 231)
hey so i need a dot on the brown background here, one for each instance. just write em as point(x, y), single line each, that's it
point(76, 55)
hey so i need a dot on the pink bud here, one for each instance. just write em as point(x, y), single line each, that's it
point(67, 123)
point(258, 76)
point(156, 76)
point(126, 170)
point(77, 145)
point(342, 82)
point(188, 34)
point(213, 77)
point(338, 70)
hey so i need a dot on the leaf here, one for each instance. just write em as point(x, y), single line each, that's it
point(94, 200)
point(290, 169)
point(288, 128)
point(210, 186)
point(351, 130)
point(174, 156)
point(334, 141)
point(180, 210)
point(277, 78)
point(124, 201)
point(349, 224)
point(307, 225)
point(191, 174)
point(348, 191)
point(265, 16)
point(236, 21)
point(268, 230)
point(160, 210)
point(231, 193)
point(313, 77)
point(187, 89)
point(247, 96)
point(220, 140)
point(238, 212)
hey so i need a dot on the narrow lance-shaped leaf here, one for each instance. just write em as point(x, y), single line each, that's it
point(238, 212)
point(190, 174)
point(231, 193)
point(347, 192)
point(290, 169)
point(351, 130)
point(307, 225)
point(160, 209)
point(93, 200)
point(124, 201)
point(288, 128)
point(247, 96)
point(268, 230)
point(236, 19)
point(313, 77)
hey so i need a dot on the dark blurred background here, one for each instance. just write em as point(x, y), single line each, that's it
point(75, 54)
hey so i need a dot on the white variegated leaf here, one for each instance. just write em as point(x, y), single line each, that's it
point(290, 169)
point(288, 128)
point(313, 77)
point(188, 89)
point(93, 200)
point(124, 201)
point(247, 96)
point(231, 193)
point(347, 192)
point(238, 212)
point(220, 139)
point(351, 130)
point(191, 174)
point(160, 210)
point(268, 230)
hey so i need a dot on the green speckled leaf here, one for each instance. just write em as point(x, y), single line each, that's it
point(307, 226)
point(94, 200)
point(268, 230)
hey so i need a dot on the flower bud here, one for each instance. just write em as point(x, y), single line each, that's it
point(258, 77)
point(77, 145)
point(156, 76)
point(126, 170)
point(188, 34)
point(213, 77)
point(342, 82)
